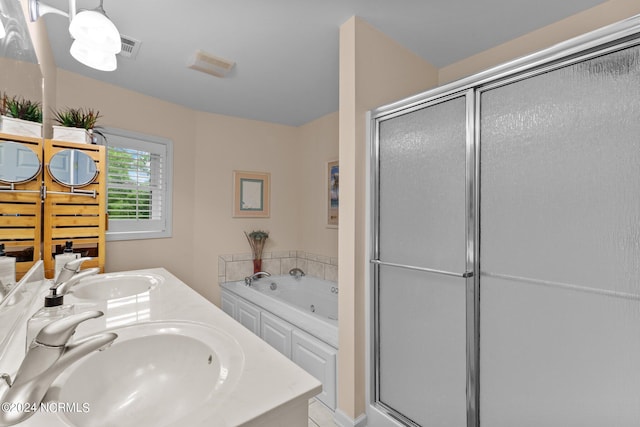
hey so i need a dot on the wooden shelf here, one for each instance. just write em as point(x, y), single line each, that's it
point(79, 218)
point(21, 214)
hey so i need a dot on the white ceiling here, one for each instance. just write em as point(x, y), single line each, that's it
point(286, 51)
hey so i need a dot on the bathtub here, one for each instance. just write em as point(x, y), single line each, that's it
point(309, 303)
point(297, 317)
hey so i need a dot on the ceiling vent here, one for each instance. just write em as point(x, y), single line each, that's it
point(130, 46)
point(210, 64)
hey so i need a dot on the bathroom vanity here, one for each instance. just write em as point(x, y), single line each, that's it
point(178, 360)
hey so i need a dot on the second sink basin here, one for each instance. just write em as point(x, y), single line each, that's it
point(115, 285)
point(170, 373)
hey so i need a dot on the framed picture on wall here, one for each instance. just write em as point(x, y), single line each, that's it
point(333, 193)
point(251, 194)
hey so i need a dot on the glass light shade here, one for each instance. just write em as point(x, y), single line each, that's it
point(2, 30)
point(96, 30)
point(92, 57)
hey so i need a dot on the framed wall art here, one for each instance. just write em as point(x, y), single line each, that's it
point(251, 194)
point(333, 193)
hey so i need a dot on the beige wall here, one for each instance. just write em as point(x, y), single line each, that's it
point(604, 14)
point(224, 144)
point(317, 144)
point(132, 111)
point(21, 79)
point(207, 149)
point(295, 157)
point(374, 70)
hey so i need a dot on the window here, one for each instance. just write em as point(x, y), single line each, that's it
point(138, 185)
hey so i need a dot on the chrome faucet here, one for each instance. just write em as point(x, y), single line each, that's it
point(48, 355)
point(249, 279)
point(70, 269)
point(296, 272)
point(4, 290)
point(61, 288)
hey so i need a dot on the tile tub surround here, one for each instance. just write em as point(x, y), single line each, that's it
point(271, 391)
point(236, 267)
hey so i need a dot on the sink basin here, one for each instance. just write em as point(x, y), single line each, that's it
point(170, 373)
point(115, 285)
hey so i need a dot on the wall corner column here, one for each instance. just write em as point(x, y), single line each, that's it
point(374, 70)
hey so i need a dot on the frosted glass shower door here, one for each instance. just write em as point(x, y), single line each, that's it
point(560, 247)
point(420, 264)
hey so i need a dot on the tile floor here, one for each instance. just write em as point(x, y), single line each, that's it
point(320, 415)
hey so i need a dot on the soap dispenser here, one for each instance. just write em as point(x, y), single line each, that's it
point(63, 258)
point(7, 268)
point(54, 309)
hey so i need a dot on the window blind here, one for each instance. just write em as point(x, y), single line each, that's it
point(138, 186)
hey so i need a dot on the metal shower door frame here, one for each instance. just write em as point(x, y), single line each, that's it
point(596, 43)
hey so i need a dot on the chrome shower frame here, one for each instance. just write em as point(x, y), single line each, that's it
point(608, 39)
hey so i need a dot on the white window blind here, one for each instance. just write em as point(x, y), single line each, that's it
point(138, 185)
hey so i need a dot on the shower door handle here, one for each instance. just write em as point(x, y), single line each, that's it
point(464, 275)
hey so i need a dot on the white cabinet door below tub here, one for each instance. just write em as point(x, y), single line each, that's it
point(228, 303)
point(248, 315)
point(276, 332)
point(318, 359)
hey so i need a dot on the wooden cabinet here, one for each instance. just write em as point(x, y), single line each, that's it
point(44, 213)
point(79, 218)
point(21, 213)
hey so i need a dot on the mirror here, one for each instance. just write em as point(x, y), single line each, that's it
point(18, 163)
point(20, 76)
point(19, 69)
point(73, 168)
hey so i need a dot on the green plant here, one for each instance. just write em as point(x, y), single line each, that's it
point(21, 108)
point(77, 117)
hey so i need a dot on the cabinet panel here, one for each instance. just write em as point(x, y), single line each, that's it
point(319, 360)
point(276, 333)
point(249, 316)
point(228, 303)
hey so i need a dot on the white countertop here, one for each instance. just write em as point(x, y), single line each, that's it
point(268, 381)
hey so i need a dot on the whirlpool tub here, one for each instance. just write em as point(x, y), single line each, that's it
point(308, 303)
point(296, 316)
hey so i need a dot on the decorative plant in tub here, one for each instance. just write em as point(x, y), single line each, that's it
point(20, 116)
point(257, 240)
point(75, 124)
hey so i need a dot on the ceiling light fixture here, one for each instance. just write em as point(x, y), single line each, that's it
point(94, 58)
point(96, 38)
point(3, 32)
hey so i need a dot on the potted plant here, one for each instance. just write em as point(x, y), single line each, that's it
point(20, 116)
point(257, 240)
point(75, 124)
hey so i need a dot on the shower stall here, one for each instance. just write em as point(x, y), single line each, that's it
point(505, 244)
